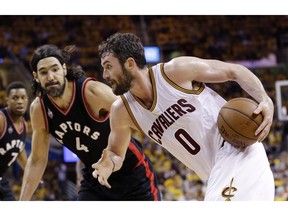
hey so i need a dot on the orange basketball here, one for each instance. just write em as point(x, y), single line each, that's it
point(237, 123)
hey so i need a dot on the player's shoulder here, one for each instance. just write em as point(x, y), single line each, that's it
point(118, 105)
point(96, 86)
point(2, 119)
point(119, 113)
point(181, 61)
point(35, 102)
point(36, 105)
point(37, 113)
point(2, 111)
point(118, 109)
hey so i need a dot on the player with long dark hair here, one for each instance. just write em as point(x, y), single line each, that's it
point(75, 110)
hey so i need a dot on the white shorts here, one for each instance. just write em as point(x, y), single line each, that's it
point(241, 175)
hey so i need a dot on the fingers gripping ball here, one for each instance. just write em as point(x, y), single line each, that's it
point(237, 123)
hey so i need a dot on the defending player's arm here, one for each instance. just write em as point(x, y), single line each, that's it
point(38, 157)
point(119, 138)
point(182, 70)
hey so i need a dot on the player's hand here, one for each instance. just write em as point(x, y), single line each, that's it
point(265, 107)
point(103, 169)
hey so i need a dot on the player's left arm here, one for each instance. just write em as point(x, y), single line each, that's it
point(183, 70)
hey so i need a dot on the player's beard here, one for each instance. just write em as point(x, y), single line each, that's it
point(56, 92)
point(123, 84)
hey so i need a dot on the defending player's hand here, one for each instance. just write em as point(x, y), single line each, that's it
point(103, 169)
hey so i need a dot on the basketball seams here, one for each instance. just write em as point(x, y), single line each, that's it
point(235, 130)
point(237, 121)
point(242, 114)
point(244, 99)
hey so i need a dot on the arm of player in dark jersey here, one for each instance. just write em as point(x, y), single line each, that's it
point(119, 138)
point(38, 157)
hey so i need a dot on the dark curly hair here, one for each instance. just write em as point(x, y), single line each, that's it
point(123, 46)
point(15, 85)
point(63, 56)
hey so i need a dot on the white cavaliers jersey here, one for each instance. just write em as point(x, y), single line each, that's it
point(180, 120)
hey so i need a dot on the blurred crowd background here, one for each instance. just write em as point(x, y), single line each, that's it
point(258, 42)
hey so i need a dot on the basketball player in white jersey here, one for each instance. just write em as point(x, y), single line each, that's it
point(171, 104)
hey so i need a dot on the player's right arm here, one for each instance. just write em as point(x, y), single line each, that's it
point(119, 139)
point(183, 70)
point(38, 158)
